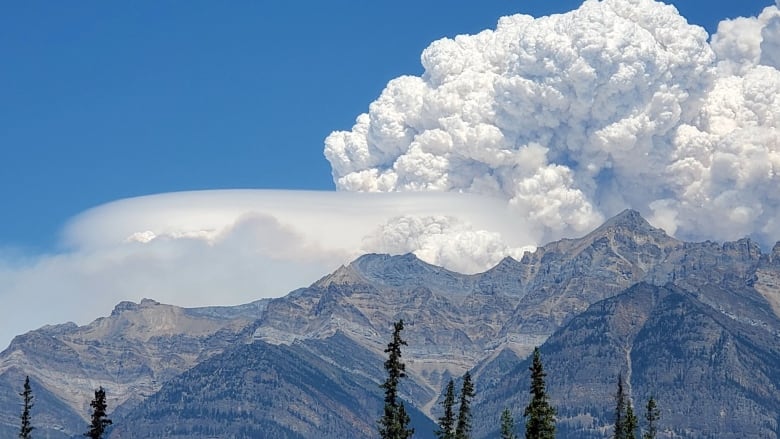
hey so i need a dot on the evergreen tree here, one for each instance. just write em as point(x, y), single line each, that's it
point(540, 422)
point(403, 432)
point(25, 432)
point(632, 423)
point(395, 421)
point(99, 419)
point(626, 423)
point(463, 429)
point(652, 415)
point(507, 425)
point(620, 410)
point(447, 420)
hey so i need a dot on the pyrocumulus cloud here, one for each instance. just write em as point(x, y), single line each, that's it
point(571, 118)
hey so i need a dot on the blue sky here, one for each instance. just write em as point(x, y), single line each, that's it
point(104, 100)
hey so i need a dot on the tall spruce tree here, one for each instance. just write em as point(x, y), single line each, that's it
point(394, 423)
point(539, 414)
point(620, 410)
point(652, 415)
point(632, 423)
point(447, 420)
point(507, 425)
point(25, 432)
point(463, 429)
point(626, 422)
point(100, 420)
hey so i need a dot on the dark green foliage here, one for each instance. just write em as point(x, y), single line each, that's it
point(626, 423)
point(463, 429)
point(394, 423)
point(99, 419)
point(620, 410)
point(447, 420)
point(25, 432)
point(540, 422)
point(652, 415)
point(507, 425)
point(632, 423)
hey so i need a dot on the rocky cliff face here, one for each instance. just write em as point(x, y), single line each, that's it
point(713, 375)
point(610, 301)
point(132, 353)
point(267, 391)
point(453, 320)
point(450, 322)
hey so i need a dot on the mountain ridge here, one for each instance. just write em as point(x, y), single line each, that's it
point(483, 322)
point(131, 352)
point(661, 338)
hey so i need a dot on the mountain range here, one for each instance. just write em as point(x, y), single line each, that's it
point(694, 325)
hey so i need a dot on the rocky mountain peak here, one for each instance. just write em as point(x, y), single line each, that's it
point(61, 328)
point(384, 265)
point(127, 305)
point(630, 221)
point(344, 275)
point(407, 270)
point(745, 248)
point(775, 255)
point(123, 306)
point(131, 353)
point(628, 217)
point(622, 233)
point(508, 264)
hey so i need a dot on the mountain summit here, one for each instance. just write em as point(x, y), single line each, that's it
point(311, 361)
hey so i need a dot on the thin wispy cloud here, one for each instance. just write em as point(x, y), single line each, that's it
point(230, 247)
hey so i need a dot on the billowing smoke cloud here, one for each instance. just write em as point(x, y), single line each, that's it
point(744, 42)
point(571, 118)
point(443, 240)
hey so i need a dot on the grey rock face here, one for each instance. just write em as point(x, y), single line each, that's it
point(712, 375)
point(450, 322)
point(454, 320)
point(266, 391)
point(708, 311)
point(131, 354)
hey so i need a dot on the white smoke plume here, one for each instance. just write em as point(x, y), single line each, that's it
point(443, 240)
point(571, 118)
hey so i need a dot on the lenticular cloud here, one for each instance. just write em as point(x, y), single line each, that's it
point(571, 118)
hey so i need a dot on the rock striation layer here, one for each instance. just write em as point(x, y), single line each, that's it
point(131, 353)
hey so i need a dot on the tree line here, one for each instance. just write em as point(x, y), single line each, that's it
point(99, 419)
point(539, 414)
point(394, 422)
